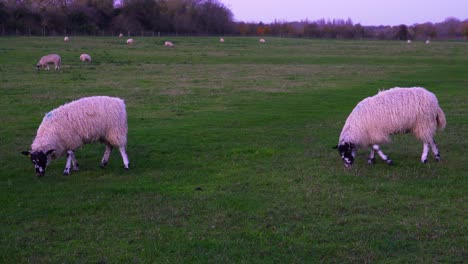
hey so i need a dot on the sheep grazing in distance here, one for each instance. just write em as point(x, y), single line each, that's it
point(262, 40)
point(221, 40)
point(168, 44)
point(49, 59)
point(427, 42)
point(120, 35)
point(85, 58)
point(397, 110)
point(409, 41)
point(66, 39)
point(87, 120)
point(130, 41)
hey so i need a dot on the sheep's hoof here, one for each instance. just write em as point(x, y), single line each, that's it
point(438, 157)
point(66, 173)
point(389, 162)
point(126, 167)
point(424, 161)
point(103, 165)
point(76, 168)
point(371, 161)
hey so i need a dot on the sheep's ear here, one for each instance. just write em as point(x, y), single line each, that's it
point(335, 147)
point(50, 152)
point(26, 153)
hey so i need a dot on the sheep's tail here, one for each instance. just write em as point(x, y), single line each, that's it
point(441, 122)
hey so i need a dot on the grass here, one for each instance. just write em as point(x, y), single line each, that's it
point(230, 151)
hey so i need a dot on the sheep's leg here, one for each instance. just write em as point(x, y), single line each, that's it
point(105, 158)
point(66, 171)
point(74, 162)
point(47, 66)
point(124, 157)
point(435, 150)
point(425, 152)
point(371, 159)
point(382, 155)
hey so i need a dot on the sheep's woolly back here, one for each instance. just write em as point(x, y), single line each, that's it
point(397, 110)
point(82, 121)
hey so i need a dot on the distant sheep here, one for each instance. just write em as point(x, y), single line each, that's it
point(49, 59)
point(168, 44)
point(409, 41)
point(130, 41)
point(398, 110)
point(428, 42)
point(221, 40)
point(66, 39)
point(85, 58)
point(120, 35)
point(87, 120)
point(262, 40)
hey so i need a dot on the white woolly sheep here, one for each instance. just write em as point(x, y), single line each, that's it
point(85, 58)
point(66, 39)
point(427, 42)
point(168, 44)
point(221, 40)
point(262, 40)
point(87, 120)
point(409, 41)
point(120, 35)
point(49, 59)
point(397, 110)
point(129, 41)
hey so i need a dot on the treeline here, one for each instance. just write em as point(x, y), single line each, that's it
point(96, 17)
point(450, 28)
point(202, 17)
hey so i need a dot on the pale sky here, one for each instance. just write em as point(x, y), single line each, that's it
point(365, 12)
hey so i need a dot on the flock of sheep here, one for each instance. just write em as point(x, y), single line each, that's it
point(101, 118)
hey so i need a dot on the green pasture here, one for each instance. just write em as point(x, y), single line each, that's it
point(231, 159)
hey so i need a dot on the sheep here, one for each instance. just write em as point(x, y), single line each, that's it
point(120, 35)
point(87, 120)
point(129, 41)
point(168, 44)
point(221, 40)
point(427, 42)
point(49, 59)
point(409, 41)
point(66, 39)
point(85, 58)
point(398, 110)
point(262, 40)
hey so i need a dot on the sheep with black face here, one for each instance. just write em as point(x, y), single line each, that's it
point(87, 120)
point(394, 111)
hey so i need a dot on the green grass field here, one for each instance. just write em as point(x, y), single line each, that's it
point(230, 154)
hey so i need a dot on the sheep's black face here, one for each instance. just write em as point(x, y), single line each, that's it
point(347, 152)
point(40, 160)
point(38, 66)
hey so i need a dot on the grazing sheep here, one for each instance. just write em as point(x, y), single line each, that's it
point(262, 40)
point(409, 41)
point(168, 44)
point(49, 59)
point(221, 40)
point(120, 35)
point(85, 58)
point(398, 110)
point(89, 119)
point(129, 41)
point(66, 39)
point(427, 42)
